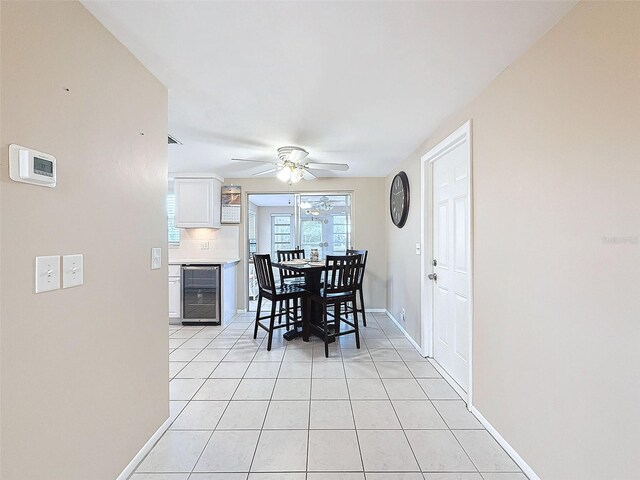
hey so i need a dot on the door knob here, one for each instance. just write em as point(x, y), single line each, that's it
point(433, 276)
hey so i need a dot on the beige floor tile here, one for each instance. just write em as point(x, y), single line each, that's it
point(393, 370)
point(281, 451)
point(228, 451)
point(334, 450)
point(295, 370)
point(403, 389)
point(386, 450)
point(230, 370)
point(329, 389)
point(328, 370)
point(254, 389)
point(374, 415)
point(176, 451)
point(243, 415)
point(287, 415)
point(485, 452)
point(456, 415)
point(423, 370)
point(438, 389)
point(418, 414)
point(331, 415)
point(292, 389)
point(361, 370)
point(211, 355)
point(197, 370)
point(184, 388)
point(438, 451)
point(366, 389)
point(200, 416)
point(217, 389)
point(262, 370)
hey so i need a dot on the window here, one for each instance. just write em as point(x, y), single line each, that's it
point(174, 233)
point(341, 234)
point(281, 233)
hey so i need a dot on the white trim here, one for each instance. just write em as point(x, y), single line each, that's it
point(376, 310)
point(524, 466)
point(411, 340)
point(460, 135)
point(452, 383)
point(129, 469)
point(240, 311)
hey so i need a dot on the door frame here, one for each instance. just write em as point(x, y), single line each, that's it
point(456, 138)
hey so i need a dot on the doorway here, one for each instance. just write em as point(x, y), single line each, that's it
point(447, 270)
point(284, 221)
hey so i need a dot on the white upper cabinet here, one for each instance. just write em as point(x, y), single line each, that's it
point(197, 202)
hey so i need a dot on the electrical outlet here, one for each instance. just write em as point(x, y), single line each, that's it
point(204, 245)
point(402, 315)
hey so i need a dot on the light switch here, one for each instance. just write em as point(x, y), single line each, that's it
point(156, 258)
point(72, 271)
point(417, 249)
point(47, 273)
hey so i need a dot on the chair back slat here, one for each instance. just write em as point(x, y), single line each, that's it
point(286, 255)
point(264, 272)
point(341, 273)
point(363, 262)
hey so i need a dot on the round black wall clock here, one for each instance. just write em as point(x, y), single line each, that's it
point(399, 199)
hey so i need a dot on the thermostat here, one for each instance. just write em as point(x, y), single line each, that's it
point(30, 166)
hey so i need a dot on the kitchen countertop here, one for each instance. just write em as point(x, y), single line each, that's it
point(203, 261)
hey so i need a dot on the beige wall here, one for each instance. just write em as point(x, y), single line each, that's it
point(556, 171)
point(368, 225)
point(84, 370)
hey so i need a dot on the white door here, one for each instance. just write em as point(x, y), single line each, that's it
point(451, 259)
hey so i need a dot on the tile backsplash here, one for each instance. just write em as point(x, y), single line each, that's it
point(222, 243)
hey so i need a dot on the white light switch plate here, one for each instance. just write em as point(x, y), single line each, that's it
point(72, 271)
point(47, 273)
point(156, 258)
point(417, 249)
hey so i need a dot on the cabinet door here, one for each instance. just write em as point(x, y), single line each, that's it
point(194, 202)
point(175, 307)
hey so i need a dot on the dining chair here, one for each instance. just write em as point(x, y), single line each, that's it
point(290, 277)
point(363, 263)
point(340, 286)
point(277, 295)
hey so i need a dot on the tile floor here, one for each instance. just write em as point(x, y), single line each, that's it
point(379, 413)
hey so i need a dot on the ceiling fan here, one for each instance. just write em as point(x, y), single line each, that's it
point(292, 165)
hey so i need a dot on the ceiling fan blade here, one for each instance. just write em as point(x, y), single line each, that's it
point(254, 161)
point(296, 156)
point(308, 175)
point(328, 166)
point(271, 170)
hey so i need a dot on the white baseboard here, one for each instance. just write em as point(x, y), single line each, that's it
point(375, 310)
point(526, 469)
point(241, 310)
point(452, 383)
point(129, 469)
point(411, 340)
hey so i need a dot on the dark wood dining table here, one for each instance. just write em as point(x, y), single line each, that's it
point(313, 282)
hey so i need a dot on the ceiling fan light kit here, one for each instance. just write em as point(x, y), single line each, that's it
point(292, 167)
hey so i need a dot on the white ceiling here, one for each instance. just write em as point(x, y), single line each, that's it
point(362, 83)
